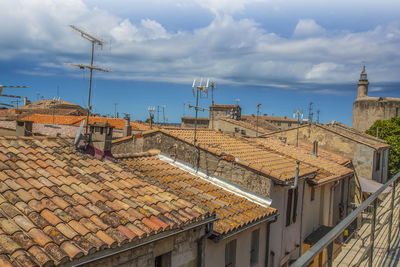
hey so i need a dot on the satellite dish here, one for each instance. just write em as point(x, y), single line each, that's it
point(78, 135)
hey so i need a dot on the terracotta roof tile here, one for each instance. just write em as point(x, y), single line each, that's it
point(192, 190)
point(62, 204)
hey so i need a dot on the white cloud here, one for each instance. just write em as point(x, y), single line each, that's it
point(308, 28)
point(237, 51)
point(226, 6)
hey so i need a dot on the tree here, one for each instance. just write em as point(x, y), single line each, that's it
point(389, 130)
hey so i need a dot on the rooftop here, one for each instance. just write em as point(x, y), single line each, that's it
point(232, 209)
point(76, 120)
point(328, 170)
point(265, 128)
point(270, 163)
point(58, 204)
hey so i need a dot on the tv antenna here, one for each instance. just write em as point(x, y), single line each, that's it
point(199, 90)
point(10, 86)
point(237, 100)
point(91, 67)
point(115, 110)
point(318, 111)
point(212, 85)
point(299, 115)
point(258, 115)
point(310, 113)
point(151, 110)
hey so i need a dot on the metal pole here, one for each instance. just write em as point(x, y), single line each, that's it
point(258, 113)
point(371, 252)
point(90, 89)
point(330, 254)
point(391, 215)
point(195, 126)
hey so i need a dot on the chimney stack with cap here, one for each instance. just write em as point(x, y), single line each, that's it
point(127, 130)
point(23, 128)
point(100, 140)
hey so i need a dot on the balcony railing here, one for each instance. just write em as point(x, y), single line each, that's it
point(369, 236)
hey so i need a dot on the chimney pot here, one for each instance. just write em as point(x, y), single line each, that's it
point(100, 139)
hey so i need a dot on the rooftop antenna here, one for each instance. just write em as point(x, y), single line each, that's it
point(237, 100)
point(299, 115)
point(199, 90)
point(151, 115)
point(93, 40)
point(115, 110)
point(258, 114)
point(310, 113)
point(78, 135)
point(212, 85)
point(10, 86)
point(163, 112)
point(318, 111)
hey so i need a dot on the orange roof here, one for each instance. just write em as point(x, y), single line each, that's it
point(248, 125)
point(76, 120)
point(232, 211)
point(339, 159)
point(328, 170)
point(270, 163)
point(59, 204)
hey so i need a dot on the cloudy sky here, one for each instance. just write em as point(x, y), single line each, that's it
point(280, 53)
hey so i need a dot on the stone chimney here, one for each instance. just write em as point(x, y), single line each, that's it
point(363, 84)
point(100, 140)
point(315, 149)
point(23, 128)
point(127, 130)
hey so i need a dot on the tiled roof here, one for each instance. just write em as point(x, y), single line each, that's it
point(76, 120)
point(269, 118)
point(58, 204)
point(328, 170)
point(232, 211)
point(351, 133)
point(193, 118)
point(223, 106)
point(261, 129)
point(270, 163)
point(328, 155)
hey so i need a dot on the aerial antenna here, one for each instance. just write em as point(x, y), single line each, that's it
point(10, 86)
point(318, 111)
point(299, 115)
point(258, 115)
point(237, 100)
point(199, 90)
point(310, 113)
point(94, 40)
point(212, 85)
point(151, 115)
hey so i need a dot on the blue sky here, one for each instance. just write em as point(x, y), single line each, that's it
point(282, 54)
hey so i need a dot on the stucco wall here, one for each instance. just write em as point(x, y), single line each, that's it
point(183, 248)
point(367, 111)
point(215, 252)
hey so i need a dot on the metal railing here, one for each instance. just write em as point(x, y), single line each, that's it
point(368, 236)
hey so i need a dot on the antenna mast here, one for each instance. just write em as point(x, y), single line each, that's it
point(318, 111)
point(199, 89)
point(310, 113)
point(93, 40)
point(258, 114)
point(299, 115)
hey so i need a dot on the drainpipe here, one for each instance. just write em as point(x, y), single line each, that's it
point(296, 178)
point(301, 220)
point(200, 241)
point(266, 262)
point(330, 217)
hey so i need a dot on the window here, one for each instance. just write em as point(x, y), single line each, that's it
point(255, 240)
point(377, 161)
point(230, 254)
point(289, 124)
point(237, 129)
point(279, 124)
point(312, 193)
point(163, 260)
point(291, 208)
point(397, 112)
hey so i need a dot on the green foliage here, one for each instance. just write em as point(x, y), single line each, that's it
point(389, 130)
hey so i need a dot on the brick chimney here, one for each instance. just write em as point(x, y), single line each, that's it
point(127, 130)
point(23, 128)
point(100, 140)
point(315, 148)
